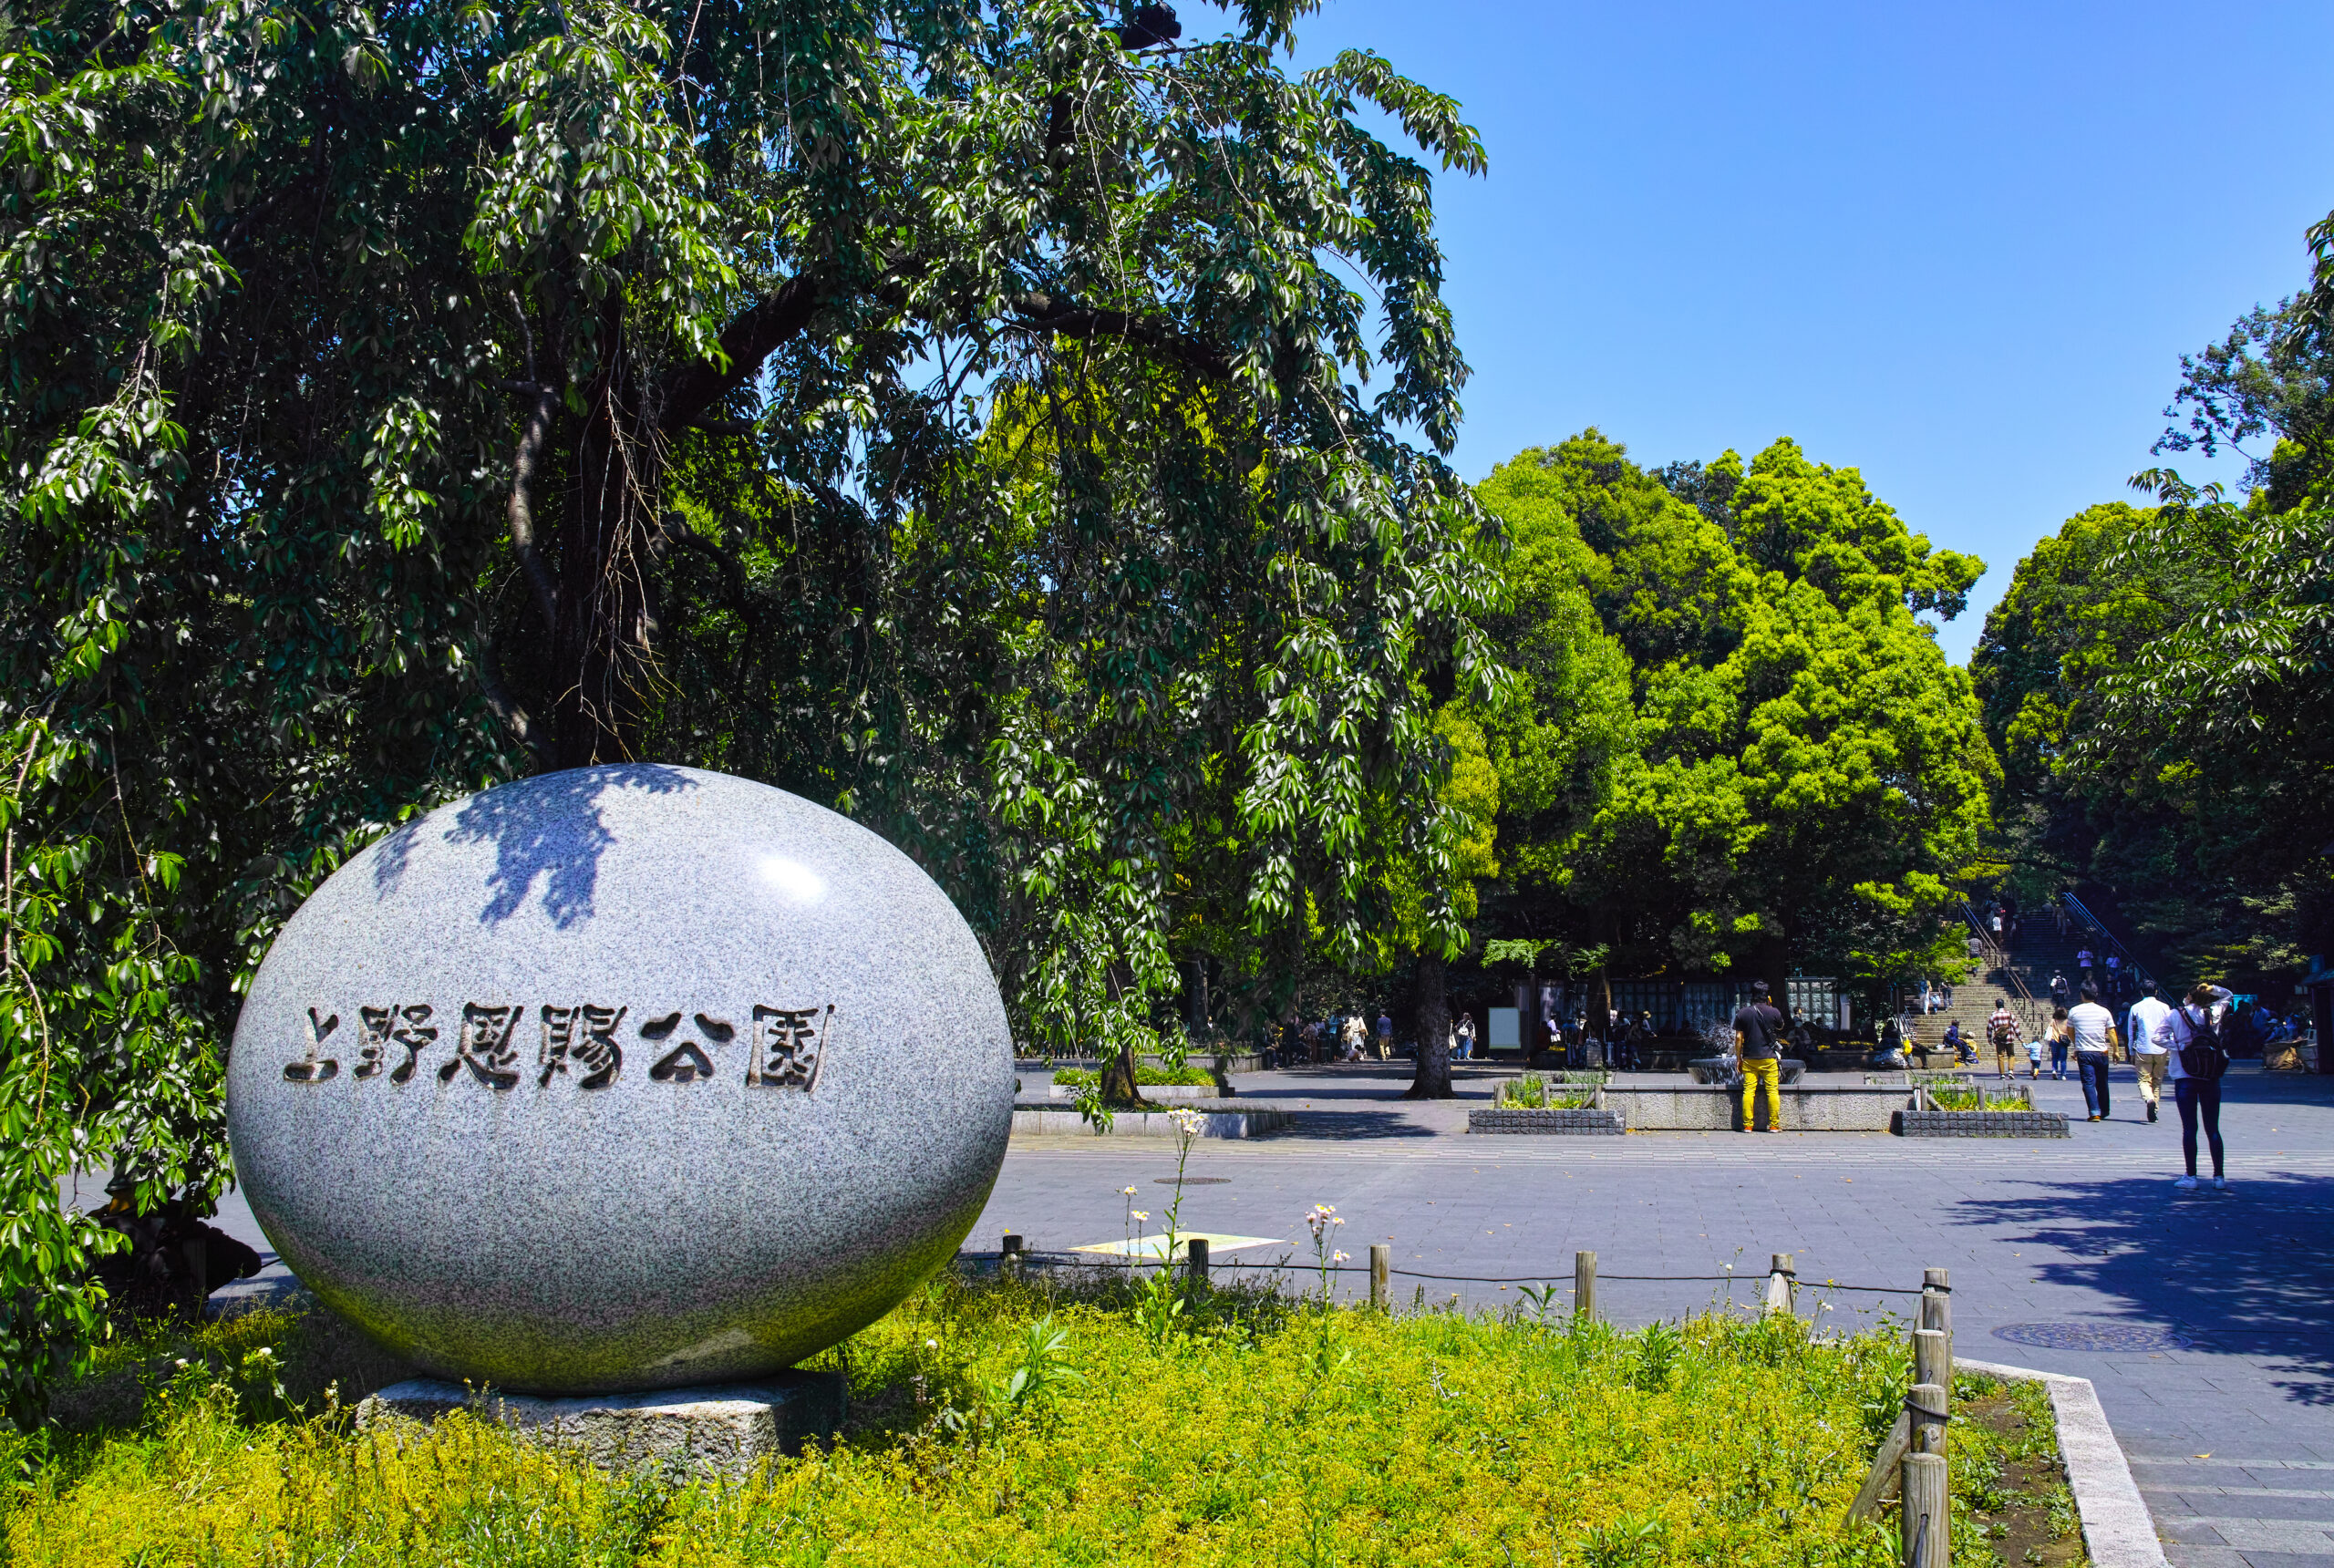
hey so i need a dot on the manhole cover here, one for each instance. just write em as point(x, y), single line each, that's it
point(1194, 1180)
point(2092, 1336)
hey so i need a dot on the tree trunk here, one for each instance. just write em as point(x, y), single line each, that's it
point(1533, 1029)
point(602, 636)
point(1432, 1079)
point(1118, 1088)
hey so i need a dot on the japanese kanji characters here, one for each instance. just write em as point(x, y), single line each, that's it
point(485, 1047)
point(579, 1042)
point(381, 1028)
point(312, 1068)
point(787, 1045)
point(596, 1058)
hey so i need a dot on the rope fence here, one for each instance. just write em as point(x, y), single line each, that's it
point(1198, 1260)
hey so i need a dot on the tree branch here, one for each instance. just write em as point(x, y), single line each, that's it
point(1044, 313)
point(760, 332)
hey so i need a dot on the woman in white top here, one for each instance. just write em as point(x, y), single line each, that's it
point(2195, 1097)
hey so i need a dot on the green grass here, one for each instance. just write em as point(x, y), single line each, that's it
point(1246, 1427)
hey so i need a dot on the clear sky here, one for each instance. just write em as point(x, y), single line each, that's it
point(1959, 247)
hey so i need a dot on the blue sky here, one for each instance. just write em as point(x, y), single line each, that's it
point(1960, 248)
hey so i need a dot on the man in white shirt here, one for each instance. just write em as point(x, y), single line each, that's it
point(2150, 1056)
point(2094, 1032)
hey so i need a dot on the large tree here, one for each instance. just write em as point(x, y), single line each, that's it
point(989, 422)
point(1805, 775)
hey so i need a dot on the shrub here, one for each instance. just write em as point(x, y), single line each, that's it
point(1144, 1078)
point(1020, 1421)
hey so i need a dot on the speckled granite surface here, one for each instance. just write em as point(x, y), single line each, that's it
point(626, 1077)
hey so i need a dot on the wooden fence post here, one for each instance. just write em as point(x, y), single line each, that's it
point(1925, 1538)
point(1936, 1307)
point(1583, 1286)
point(1196, 1269)
point(1932, 1359)
point(1382, 1264)
point(1782, 1284)
point(1929, 1416)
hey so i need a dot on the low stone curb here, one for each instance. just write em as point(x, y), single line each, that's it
point(2116, 1528)
point(1030, 1121)
point(1579, 1123)
point(1981, 1124)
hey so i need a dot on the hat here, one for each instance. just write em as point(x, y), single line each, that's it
point(1758, 987)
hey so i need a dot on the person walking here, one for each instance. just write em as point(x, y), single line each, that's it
point(1757, 1029)
point(1466, 1036)
point(2197, 1058)
point(2034, 1058)
point(2150, 1056)
point(2093, 1027)
point(2082, 964)
point(2061, 994)
point(2002, 1030)
point(2058, 1036)
point(1385, 1037)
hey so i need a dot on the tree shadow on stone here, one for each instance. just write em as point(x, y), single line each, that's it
point(549, 829)
point(2240, 1276)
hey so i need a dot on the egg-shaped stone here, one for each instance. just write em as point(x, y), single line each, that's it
point(624, 1077)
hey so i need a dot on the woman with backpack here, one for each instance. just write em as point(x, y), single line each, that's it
point(2198, 1059)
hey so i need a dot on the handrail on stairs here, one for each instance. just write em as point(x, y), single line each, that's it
point(1995, 958)
point(2139, 971)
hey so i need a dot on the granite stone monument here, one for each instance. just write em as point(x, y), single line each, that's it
point(622, 1078)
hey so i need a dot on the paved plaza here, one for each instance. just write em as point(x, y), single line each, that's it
point(2207, 1317)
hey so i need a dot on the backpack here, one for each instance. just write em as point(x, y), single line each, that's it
point(2204, 1057)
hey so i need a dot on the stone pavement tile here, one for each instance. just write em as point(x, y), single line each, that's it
point(2250, 1535)
point(2193, 1530)
point(2254, 1503)
point(2287, 1559)
point(2182, 1555)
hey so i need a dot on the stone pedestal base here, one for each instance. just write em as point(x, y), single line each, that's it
point(724, 1430)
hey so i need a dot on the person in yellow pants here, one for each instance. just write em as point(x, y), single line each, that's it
point(1766, 1072)
point(1758, 1042)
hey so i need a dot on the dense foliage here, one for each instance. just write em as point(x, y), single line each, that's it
point(1300, 1435)
point(2155, 677)
point(1736, 743)
point(986, 421)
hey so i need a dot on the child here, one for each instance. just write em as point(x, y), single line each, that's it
point(2034, 1058)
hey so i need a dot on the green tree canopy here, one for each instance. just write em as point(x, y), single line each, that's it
point(1805, 773)
point(988, 421)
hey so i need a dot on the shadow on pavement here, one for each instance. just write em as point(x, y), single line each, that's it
point(2245, 1274)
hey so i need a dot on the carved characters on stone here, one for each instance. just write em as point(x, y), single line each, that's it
point(582, 1040)
point(313, 1067)
point(407, 1027)
point(787, 1047)
point(485, 1047)
point(578, 1041)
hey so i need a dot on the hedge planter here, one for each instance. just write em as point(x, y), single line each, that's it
point(1981, 1124)
point(1572, 1123)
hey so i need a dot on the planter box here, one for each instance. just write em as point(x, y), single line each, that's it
point(1845, 1108)
point(1028, 1120)
point(1167, 1091)
point(1577, 1123)
point(1981, 1124)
